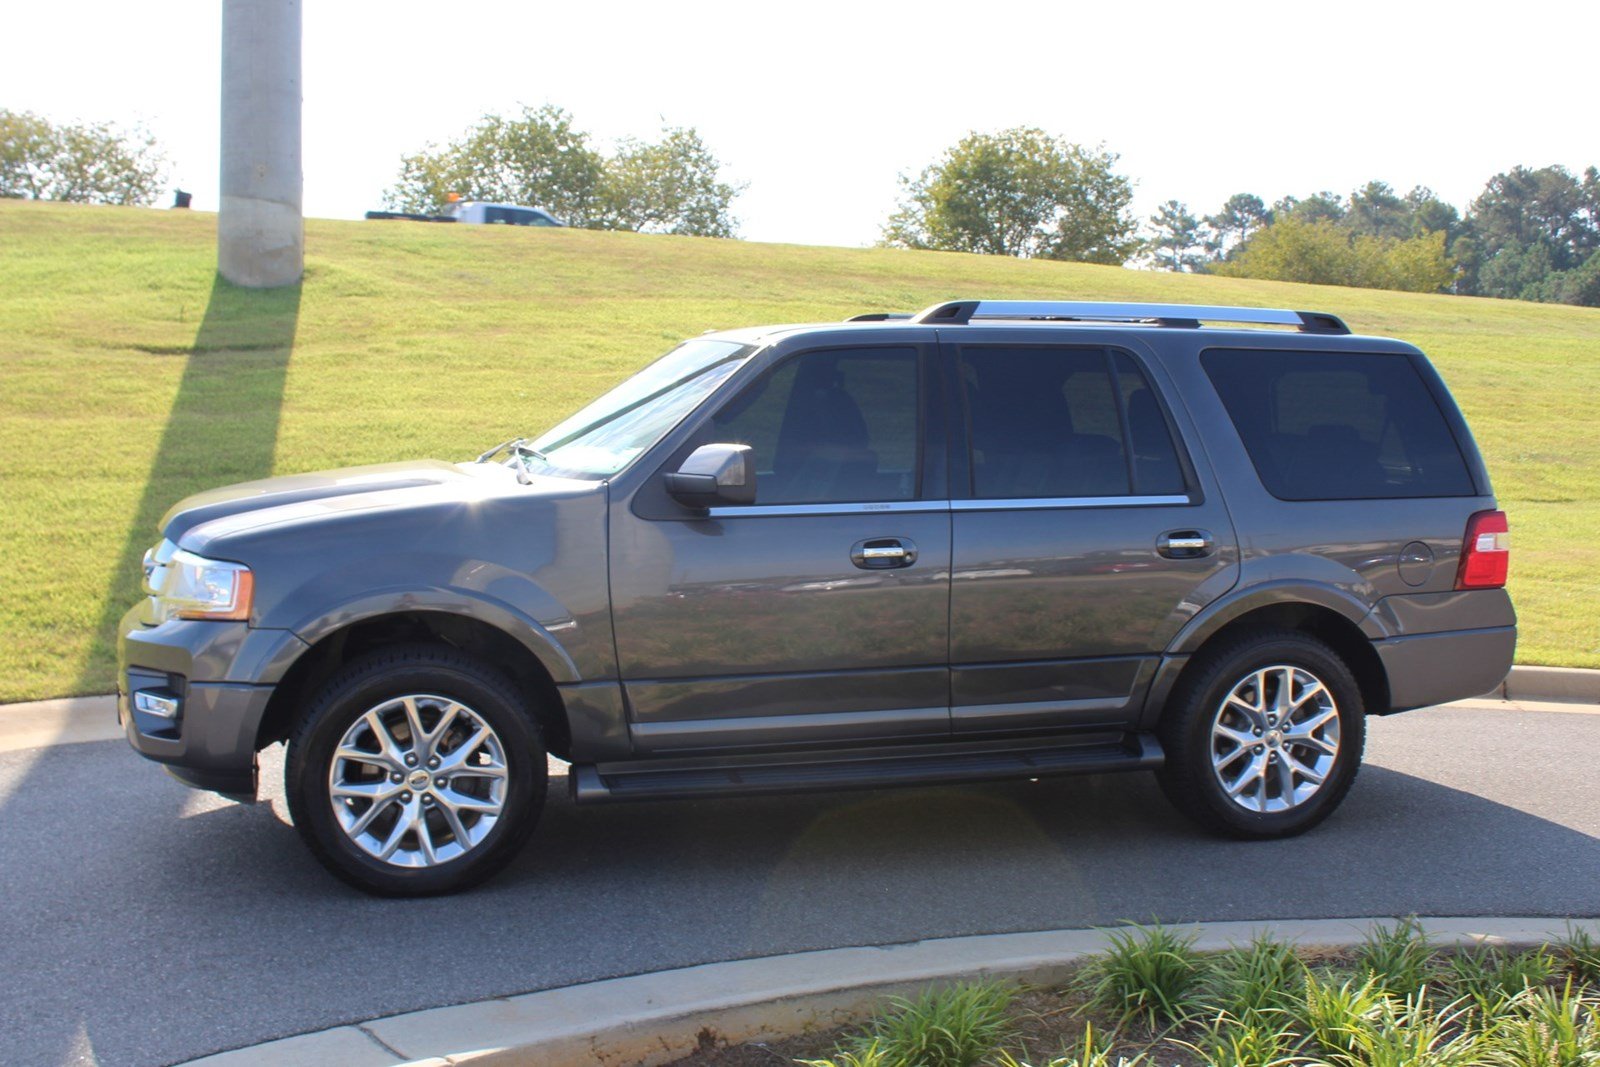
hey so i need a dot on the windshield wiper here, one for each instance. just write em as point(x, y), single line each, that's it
point(520, 450)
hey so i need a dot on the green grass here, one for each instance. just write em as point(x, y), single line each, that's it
point(127, 381)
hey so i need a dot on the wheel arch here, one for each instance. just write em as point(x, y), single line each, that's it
point(1335, 624)
point(474, 636)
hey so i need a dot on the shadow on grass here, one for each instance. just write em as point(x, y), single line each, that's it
point(222, 428)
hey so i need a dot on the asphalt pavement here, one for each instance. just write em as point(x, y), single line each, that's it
point(144, 923)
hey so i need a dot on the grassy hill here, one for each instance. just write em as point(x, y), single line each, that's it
point(128, 379)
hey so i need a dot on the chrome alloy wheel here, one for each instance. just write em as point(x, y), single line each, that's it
point(1274, 739)
point(418, 780)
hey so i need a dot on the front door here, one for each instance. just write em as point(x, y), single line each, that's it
point(819, 615)
point(1083, 536)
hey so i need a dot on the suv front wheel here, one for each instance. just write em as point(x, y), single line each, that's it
point(1263, 736)
point(416, 770)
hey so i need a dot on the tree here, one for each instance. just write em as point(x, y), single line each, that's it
point(1531, 224)
point(1376, 210)
point(537, 158)
point(1177, 242)
point(90, 163)
point(1319, 207)
point(669, 187)
point(1242, 215)
point(1324, 252)
point(1020, 192)
point(541, 159)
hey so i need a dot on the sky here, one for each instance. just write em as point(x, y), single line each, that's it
point(820, 106)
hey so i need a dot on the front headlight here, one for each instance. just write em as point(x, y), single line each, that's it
point(183, 585)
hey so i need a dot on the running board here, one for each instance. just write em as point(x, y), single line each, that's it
point(641, 781)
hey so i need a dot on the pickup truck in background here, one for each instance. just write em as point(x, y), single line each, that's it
point(479, 213)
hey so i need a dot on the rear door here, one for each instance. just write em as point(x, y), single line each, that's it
point(1084, 532)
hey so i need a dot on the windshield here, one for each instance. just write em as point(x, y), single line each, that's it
point(606, 435)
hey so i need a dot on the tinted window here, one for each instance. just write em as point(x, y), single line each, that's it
point(830, 427)
point(1058, 422)
point(1338, 426)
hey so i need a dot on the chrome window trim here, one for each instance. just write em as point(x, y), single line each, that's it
point(988, 504)
point(1052, 502)
point(873, 508)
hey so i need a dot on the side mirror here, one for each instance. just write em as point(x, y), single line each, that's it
point(714, 474)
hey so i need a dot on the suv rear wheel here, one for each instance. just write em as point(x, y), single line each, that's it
point(416, 771)
point(1264, 736)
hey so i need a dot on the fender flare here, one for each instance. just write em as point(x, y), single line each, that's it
point(528, 632)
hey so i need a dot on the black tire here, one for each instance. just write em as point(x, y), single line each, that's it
point(367, 683)
point(1188, 778)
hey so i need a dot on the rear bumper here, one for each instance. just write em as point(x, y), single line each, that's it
point(1428, 669)
point(206, 731)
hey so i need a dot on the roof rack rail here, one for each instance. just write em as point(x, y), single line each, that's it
point(879, 316)
point(1182, 316)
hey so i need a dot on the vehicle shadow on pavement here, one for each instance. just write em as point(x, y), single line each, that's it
point(167, 924)
point(222, 428)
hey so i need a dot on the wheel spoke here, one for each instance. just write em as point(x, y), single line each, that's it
point(1222, 762)
point(1251, 774)
point(407, 820)
point(1309, 773)
point(364, 790)
point(459, 757)
point(372, 759)
point(479, 770)
point(1285, 779)
point(387, 745)
point(376, 808)
point(425, 840)
point(1316, 688)
point(1238, 737)
point(452, 819)
point(466, 802)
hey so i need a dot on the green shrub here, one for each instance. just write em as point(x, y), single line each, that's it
point(869, 1054)
point(1398, 956)
point(956, 1027)
point(1410, 1034)
point(1264, 978)
point(1331, 1015)
point(1089, 1051)
point(1580, 952)
point(1149, 973)
point(1254, 1042)
point(1541, 1027)
point(1490, 977)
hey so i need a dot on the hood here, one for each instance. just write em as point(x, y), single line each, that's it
point(235, 500)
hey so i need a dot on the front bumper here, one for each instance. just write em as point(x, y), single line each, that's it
point(206, 736)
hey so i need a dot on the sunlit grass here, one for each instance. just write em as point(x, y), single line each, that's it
point(416, 340)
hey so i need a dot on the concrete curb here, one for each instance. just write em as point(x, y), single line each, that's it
point(651, 1019)
point(72, 720)
point(1558, 684)
point(68, 721)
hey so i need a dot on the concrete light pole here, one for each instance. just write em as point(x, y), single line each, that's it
point(260, 231)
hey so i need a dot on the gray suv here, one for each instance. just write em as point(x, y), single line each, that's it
point(994, 539)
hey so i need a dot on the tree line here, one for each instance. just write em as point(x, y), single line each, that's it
point(1531, 234)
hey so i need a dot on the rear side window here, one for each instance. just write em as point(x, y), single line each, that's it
point(1051, 422)
point(1338, 426)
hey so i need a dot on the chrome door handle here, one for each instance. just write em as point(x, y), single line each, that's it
point(1185, 544)
point(881, 553)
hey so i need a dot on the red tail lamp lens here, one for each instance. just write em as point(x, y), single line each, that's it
point(1486, 553)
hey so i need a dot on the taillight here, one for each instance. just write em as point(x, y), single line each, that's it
point(1486, 553)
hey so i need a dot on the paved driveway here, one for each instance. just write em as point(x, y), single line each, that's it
point(141, 923)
